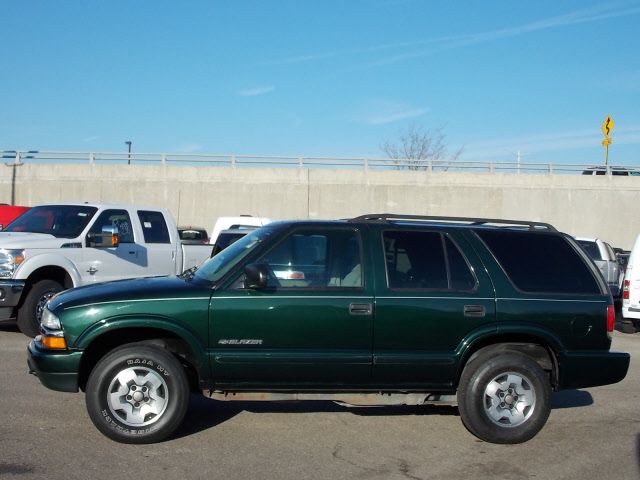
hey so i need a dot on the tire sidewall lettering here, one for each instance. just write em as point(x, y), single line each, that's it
point(149, 364)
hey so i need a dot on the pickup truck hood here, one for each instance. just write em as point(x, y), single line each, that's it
point(123, 291)
point(24, 240)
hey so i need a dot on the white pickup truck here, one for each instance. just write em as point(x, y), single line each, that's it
point(54, 247)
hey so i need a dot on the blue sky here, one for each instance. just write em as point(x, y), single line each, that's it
point(322, 78)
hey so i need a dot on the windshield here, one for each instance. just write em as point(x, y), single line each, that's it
point(62, 221)
point(216, 267)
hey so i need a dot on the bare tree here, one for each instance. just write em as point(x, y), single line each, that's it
point(417, 147)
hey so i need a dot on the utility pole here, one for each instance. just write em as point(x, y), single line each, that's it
point(128, 143)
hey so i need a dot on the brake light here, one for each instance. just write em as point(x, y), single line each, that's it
point(625, 289)
point(611, 318)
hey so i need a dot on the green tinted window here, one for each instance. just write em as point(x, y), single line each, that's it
point(540, 262)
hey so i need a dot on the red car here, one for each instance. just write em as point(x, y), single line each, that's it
point(8, 213)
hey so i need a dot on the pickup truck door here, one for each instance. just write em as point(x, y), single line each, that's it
point(311, 327)
point(161, 250)
point(434, 296)
point(127, 260)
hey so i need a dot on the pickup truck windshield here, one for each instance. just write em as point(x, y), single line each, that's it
point(62, 221)
point(215, 268)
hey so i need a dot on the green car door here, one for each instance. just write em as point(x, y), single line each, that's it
point(435, 298)
point(310, 325)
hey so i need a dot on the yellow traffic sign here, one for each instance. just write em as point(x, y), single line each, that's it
point(607, 126)
point(607, 141)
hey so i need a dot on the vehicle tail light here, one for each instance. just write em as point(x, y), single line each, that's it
point(611, 318)
point(625, 289)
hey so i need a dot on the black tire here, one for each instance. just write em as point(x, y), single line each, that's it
point(628, 326)
point(504, 397)
point(155, 394)
point(30, 313)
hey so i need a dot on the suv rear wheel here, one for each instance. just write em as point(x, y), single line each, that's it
point(504, 397)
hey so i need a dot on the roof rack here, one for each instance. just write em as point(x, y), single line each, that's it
point(386, 217)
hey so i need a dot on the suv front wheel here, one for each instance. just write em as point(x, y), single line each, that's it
point(504, 397)
point(137, 394)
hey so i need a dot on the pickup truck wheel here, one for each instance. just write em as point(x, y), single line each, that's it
point(137, 394)
point(504, 397)
point(30, 313)
point(628, 326)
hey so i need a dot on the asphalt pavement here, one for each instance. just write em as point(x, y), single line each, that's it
point(591, 434)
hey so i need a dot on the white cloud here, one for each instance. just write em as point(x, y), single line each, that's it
point(547, 142)
point(381, 112)
point(422, 48)
point(189, 148)
point(255, 91)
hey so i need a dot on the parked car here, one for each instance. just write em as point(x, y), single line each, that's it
point(623, 260)
point(8, 213)
point(54, 247)
point(227, 237)
point(611, 170)
point(193, 235)
point(631, 291)
point(379, 309)
point(235, 223)
point(605, 258)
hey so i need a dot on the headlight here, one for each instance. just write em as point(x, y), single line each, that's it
point(9, 261)
point(49, 320)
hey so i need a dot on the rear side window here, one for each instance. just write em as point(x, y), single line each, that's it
point(154, 227)
point(425, 260)
point(540, 262)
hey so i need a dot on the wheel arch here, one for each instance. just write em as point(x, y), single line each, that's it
point(56, 273)
point(540, 348)
point(97, 342)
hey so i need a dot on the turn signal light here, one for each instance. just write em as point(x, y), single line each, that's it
point(611, 318)
point(54, 343)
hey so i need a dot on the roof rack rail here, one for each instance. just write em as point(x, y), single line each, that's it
point(386, 217)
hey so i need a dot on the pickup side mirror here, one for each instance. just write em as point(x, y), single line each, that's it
point(256, 276)
point(109, 238)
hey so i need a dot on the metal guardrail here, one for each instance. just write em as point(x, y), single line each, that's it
point(17, 157)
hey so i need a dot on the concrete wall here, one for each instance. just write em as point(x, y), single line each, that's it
point(599, 206)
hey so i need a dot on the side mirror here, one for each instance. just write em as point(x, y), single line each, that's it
point(109, 238)
point(256, 276)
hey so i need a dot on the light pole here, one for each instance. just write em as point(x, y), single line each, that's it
point(128, 144)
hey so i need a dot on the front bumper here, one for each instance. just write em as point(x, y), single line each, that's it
point(57, 370)
point(10, 294)
point(592, 369)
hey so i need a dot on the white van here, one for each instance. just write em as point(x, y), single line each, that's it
point(631, 291)
point(230, 223)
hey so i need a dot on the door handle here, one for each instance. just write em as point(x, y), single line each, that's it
point(360, 308)
point(474, 311)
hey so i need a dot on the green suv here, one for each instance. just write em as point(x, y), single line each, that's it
point(491, 315)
